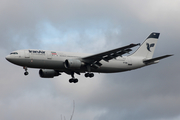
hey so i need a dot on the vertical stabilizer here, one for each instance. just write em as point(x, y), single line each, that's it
point(147, 48)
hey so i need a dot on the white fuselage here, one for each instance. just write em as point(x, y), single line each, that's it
point(53, 63)
point(47, 60)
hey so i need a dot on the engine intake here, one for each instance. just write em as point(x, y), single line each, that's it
point(46, 73)
point(73, 64)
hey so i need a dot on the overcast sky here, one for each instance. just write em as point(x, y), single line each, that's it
point(90, 26)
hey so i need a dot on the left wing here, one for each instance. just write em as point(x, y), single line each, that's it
point(93, 60)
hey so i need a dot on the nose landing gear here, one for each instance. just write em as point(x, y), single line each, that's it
point(26, 72)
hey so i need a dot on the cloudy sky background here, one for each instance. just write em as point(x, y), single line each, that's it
point(90, 26)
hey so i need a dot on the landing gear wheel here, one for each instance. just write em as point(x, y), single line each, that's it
point(73, 80)
point(26, 73)
point(70, 80)
point(91, 75)
point(86, 75)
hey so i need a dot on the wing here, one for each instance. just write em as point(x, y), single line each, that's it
point(93, 60)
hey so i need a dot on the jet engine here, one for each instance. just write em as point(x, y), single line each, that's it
point(46, 73)
point(72, 63)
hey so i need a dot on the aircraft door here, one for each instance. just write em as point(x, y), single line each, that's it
point(129, 61)
point(49, 55)
point(26, 54)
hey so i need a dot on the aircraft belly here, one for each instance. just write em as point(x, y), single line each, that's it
point(18, 61)
point(39, 63)
point(46, 64)
point(112, 66)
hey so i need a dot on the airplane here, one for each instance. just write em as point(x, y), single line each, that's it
point(53, 63)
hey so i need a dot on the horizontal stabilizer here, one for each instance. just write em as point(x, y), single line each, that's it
point(150, 61)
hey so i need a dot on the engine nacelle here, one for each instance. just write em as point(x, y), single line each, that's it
point(46, 73)
point(72, 63)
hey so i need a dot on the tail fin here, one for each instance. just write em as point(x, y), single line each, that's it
point(147, 49)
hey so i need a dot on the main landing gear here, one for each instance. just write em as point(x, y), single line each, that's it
point(26, 72)
point(89, 75)
point(73, 79)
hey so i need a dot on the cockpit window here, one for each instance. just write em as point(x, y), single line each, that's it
point(13, 53)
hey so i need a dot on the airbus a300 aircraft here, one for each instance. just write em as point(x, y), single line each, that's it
point(53, 63)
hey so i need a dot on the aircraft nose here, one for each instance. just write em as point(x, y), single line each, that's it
point(8, 57)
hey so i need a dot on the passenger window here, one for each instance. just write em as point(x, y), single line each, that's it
point(13, 53)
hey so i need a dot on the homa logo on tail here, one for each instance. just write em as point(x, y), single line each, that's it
point(149, 46)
